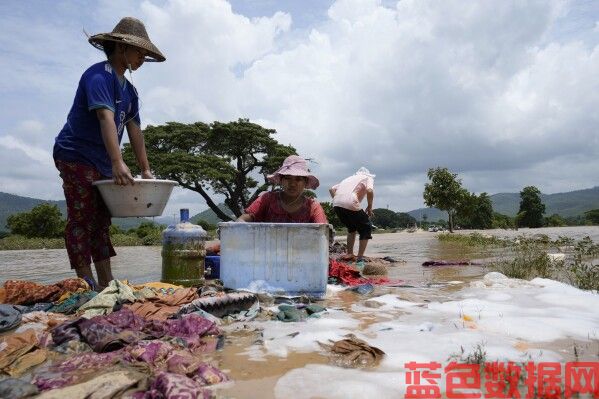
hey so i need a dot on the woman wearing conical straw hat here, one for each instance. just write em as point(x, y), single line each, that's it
point(88, 146)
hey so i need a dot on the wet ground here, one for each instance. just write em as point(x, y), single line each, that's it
point(443, 313)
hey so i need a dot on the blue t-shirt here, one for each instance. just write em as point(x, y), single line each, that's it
point(80, 140)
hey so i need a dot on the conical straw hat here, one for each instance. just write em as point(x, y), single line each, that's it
point(129, 31)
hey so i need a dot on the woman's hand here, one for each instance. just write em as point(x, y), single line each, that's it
point(121, 173)
point(146, 174)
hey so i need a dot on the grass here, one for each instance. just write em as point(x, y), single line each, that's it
point(474, 240)
point(16, 242)
point(583, 272)
point(529, 261)
point(527, 257)
point(119, 239)
point(477, 356)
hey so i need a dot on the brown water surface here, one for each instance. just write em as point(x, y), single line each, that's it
point(258, 378)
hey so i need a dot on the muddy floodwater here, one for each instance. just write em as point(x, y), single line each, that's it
point(439, 313)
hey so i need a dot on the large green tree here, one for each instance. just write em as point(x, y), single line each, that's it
point(332, 217)
point(444, 191)
point(554, 220)
point(531, 208)
point(592, 216)
point(44, 220)
point(384, 218)
point(406, 220)
point(501, 221)
point(224, 159)
point(388, 219)
point(475, 211)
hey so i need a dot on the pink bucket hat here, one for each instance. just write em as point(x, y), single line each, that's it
point(294, 165)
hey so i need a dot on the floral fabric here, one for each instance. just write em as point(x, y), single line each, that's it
point(109, 333)
point(87, 235)
point(21, 292)
point(175, 386)
point(163, 306)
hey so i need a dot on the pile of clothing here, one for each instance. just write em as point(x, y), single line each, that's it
point(139, 341)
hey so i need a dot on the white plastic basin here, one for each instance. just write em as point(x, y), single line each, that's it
point(146, 197)
point(279, 258)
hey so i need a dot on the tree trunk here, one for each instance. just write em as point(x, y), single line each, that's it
point(450, 221)
point(198, 189)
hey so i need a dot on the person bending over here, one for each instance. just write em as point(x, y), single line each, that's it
point(347, 197)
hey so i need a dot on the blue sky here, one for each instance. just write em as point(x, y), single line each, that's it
point(503, 93)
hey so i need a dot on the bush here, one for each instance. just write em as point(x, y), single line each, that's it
point(43, 221)
point(206, 225)
point(474, 239)
point(152, 238)
point(501, 221)
point(583, 272)
point(115, 229)
point(528, 263)
point(332, 217)
point(146, 228)
point(125, 240)
point(15, 242)
point(555, 220)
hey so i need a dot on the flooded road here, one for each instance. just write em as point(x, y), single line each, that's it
point(143, 264)
point(444, 312)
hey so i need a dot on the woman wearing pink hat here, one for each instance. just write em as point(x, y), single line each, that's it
point(288, 205)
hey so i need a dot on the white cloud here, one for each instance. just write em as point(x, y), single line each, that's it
point(40, 156)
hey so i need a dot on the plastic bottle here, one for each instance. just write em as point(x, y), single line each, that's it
point(183, 253)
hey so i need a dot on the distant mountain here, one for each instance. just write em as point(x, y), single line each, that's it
point(572, 203)
point(430, 214)
point(209, 216)
point(568, 204)
point(11, 204)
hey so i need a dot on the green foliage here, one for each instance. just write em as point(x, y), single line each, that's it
point(555, 220)
point(219, 158)
point(146, 228)
point(43, 221)
point(149, 232)
point(384, 218)
point(4, 234)
point(387, 219)
point(405, 220)
point(126, 240)
point(444, 191)
point(583, 272)
point(530, 261)
point(441, 223)
point(502, 221)
point(579, 220)
point(474, 240)
point(477, 356)
point(17, 242)
point(331, 215)
point(531, 208)
point(206, 225)
point(475, 212)
point(592, 216)
point(209, 216)
point(114, 229)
